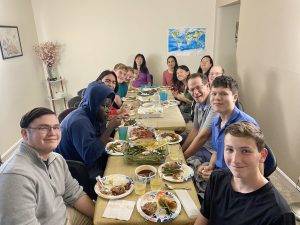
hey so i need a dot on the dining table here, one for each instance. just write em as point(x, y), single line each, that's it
point(171, 120)
point(118, 165)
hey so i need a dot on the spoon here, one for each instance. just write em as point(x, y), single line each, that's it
point(99, 181)
point(173, 188)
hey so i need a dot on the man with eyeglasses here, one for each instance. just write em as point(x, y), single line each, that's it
point(198, 141)
point(197, 146)
point(36, 185)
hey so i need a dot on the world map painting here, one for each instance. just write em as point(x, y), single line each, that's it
point(186, 40)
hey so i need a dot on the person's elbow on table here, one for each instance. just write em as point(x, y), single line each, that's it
point(201, 220)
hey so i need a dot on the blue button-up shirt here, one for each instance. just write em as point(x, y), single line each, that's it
point(218, 133)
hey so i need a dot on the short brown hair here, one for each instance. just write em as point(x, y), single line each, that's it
point(33, 114)
point(120, 66)
point(247, 130)
point(129, 68)
point(201, 75)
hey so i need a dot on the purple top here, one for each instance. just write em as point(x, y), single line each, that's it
point(143, 78)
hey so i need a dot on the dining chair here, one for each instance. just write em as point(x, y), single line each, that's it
point(64, 113)
point(74, 102)
point(80, 172)
point(270, 164)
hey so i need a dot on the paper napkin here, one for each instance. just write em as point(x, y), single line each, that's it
point(188, 204)
point(119, 209)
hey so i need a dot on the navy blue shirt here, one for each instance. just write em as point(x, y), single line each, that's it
point(217, 136)
point(81, 129)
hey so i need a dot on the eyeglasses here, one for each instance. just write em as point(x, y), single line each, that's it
point(198, 88)
point(46, 128)
point(107, 81)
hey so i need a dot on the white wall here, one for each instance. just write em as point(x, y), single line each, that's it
point(268, 56)
point(21, 78)
point(97, 34)
point(225, 45)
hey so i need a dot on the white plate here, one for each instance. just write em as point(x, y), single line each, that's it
point(128, 99)
point(108, 182)
point(170, 142)
point(111, 152)
point(187, 173)
point(170, 103)
point(160, 214)
point(148, 104)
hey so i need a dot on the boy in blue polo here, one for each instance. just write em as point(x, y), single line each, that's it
point(224, 94)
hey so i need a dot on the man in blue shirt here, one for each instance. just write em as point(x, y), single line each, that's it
point(224, 93)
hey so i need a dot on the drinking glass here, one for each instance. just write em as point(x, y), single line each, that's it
point(122, 130)
point(155, 182)
point(163, 95)
point(174, 152)
point(139, 185)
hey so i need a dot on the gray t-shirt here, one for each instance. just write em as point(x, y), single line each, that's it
point(204, 116)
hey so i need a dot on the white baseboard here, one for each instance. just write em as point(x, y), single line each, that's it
point(5, 156)
point(288, 179)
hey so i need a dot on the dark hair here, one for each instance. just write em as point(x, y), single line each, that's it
point(175, 67)
point(104, 74)
point(143, 68)
point(226, 82)
point(33, 114)
point(201, 75)
point(211, 62)
point(179, 84)
point(247, 130)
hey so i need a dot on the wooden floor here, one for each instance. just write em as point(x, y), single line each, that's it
point(285, 188)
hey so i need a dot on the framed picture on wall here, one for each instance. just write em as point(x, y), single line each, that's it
point(10, 43)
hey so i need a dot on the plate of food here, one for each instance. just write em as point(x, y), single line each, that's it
point(170, 137)
point(129, 122)
point(175, 172)
point(138, 132)
point(145, 93)
point(133, 90)
point(158, 206)
point(116, 147)
point(170, 103)
point(114, 186)
point(128, 99)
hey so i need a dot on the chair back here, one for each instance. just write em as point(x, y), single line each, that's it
point(74, 102)
point(270, 164)
point(79, 172)
point(64, 113)
point(151, 76)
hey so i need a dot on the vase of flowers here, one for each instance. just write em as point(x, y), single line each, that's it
point(48, 53)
